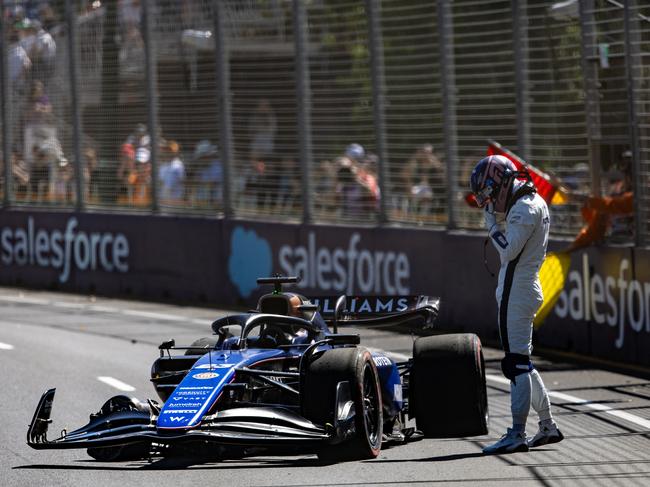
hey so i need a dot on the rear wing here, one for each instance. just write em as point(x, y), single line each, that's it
point(414, 311)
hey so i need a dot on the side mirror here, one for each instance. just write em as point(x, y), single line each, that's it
point(339, 309)
point(167, 345)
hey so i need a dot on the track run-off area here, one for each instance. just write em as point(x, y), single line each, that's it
point(93, 348)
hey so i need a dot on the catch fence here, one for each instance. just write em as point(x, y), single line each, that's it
point(361, 112)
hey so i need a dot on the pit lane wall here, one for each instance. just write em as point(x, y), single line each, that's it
point(604, 310)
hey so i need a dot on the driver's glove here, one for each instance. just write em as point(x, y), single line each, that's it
point(490, 217)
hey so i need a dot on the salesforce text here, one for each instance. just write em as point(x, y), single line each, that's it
point(343, 269)
point(64, 250)
point(596, 298)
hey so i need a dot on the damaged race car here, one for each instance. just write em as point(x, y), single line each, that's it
point(282, 378)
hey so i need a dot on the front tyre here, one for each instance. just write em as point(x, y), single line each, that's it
point(122, 453)
point(355, 366)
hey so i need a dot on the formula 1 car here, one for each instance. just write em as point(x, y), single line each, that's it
point(278, 379)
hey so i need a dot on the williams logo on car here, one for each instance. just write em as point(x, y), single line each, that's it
point(206, 375)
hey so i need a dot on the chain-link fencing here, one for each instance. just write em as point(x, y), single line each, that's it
point(361, 112)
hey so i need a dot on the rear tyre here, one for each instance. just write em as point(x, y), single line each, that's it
point(354, 365)
point(447, 392)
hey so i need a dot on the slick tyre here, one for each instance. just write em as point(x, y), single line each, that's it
point(122, 453)
point(324, 372)
point(447, 393)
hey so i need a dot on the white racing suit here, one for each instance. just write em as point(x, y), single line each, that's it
point(522, 247)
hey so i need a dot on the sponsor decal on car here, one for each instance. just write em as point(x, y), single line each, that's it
point(397, 392)
point(180, 411)
point(185, 404)
point(214, 366)
point(193, 388)
point(191, 393)
point(206, 375)
point(382, 361)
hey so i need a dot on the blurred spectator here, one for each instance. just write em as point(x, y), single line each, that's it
point(423, 178)
point(610, 215)
point(91, 172)
point(171, 174)
point(19, 173)
point(41, 49)
point(356, 188)
point(50, 174)
point(207, 173)
point(129, 14)
point(39, 109)
point(141, 195)
point(288, 185)
point(261, 130)
point(126, 173)
point(139, 137)
point(355, 152)
point(38, 120)
point(39, 174)
point(258, 184)
point(134, 170)
point(18, 62)
point(132, 56)
point(47, 16)
point(324, 188)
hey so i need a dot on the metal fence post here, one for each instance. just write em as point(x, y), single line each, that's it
point(632, 63)
point(222, 66)
point(449, 122)
point(73, 65)
point(5, 105)
point(303, 100)
point(520, 47)
point(590, 84)
point(376, 46)
point(151, 66)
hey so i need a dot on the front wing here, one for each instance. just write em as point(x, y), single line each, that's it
point(246, 426)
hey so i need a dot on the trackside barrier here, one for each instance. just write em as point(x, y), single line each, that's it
point(604, 310)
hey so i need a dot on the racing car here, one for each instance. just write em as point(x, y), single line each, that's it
point(282, 378)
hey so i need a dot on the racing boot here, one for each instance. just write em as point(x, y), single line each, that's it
point(511, 442)
point(546, 435)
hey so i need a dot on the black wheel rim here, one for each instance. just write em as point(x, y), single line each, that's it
point(370, 404)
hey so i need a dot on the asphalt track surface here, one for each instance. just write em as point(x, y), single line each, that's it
point(91, 348)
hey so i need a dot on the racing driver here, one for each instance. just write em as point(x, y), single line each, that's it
point(518, 222)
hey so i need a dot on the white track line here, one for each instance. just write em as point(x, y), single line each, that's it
point(25, 299)
point(644, 423)
point(153, 315)
point(105, 309)
point(117, 384)
point(6, 346)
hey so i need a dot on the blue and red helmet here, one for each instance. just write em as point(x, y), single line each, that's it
point(491, 181)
